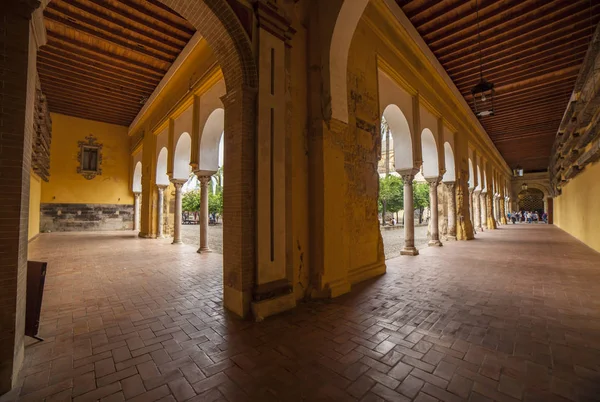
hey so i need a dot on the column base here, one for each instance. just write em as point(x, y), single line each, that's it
point(451, 238)
point(266, 308)
point(177, 242)
point(202, 250)
point(146, 235)
point(435, 243)
point(409, 251)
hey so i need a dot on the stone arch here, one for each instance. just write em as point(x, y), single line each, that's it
point(471, 174)
point(430, 154)
point(343, 31)
point(161, 167)
point(136, 186)
point(450, 174)
point(400, 131)
point(209, 141)
point(181, 158)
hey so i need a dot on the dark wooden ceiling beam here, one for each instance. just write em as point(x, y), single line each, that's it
point(88, 115)
point(68, 105)
point(181, 25)
point(104, 57)
point(92, 27)
point(466, 25)
point(521, 137)
point(51, 61)
point(513, 123)
point(52, 19)
point(87, 86)
point(519, 30)
point(162, 28)
point(430, 15)
point(70, 95)
point(517, 49)
point(168, 42)
point(502, 81)
point(575, 53)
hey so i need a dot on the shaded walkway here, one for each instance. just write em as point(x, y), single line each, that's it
point(512, 315)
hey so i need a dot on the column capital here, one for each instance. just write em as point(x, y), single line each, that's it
point(161, 187)
point(433, 181)
point(137, 193)
point(204, 180)
point(408, 175)
point(450, 183)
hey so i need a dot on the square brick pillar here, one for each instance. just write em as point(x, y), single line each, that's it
point(239, 199)
point(17, 95)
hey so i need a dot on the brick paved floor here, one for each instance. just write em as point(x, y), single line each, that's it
point(513, 315)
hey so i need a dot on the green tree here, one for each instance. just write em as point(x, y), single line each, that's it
point(215, 204)
point(421, 197)
point(190, 201)
point(391, 194)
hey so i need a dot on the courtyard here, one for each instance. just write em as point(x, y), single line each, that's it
point(393, 239)
point(125, 318)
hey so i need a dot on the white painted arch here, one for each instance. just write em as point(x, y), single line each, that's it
point(137, 178)
point(343, 31)
point(471, 174)
point(210, 139)
point(400, 131)
point(450, 174)
point(181, 160)
point(161, 167)
point(431, 167)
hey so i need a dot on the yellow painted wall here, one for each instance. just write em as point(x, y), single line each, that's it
point(576, 209)
point(35, 194)
point(68, 186)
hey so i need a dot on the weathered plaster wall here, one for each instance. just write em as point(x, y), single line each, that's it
point(576, 209)
point(68, 186)
point(35, 194)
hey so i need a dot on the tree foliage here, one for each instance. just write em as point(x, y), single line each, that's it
point(215, 203)
point(421, 195)
point(391, 191)
point(190, 201)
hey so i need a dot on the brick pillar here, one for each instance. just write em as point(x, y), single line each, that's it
point(433, 202)
point(239, 195)
point(17, 96)
point(204, 180)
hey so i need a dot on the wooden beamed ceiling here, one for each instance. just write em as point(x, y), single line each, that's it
point(104, 58)
point(531, 50)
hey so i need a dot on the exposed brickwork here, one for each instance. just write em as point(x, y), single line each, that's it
point(451, 324)
point(85, 217)
point(17, 94)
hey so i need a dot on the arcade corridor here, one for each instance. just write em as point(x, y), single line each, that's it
point(509, 316)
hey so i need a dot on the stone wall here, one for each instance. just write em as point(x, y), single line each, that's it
point(85, 217)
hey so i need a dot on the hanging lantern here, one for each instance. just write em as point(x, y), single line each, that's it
point(524, 186)
point(483, 98)
point(518, 171)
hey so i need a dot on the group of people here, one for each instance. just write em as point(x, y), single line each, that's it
point(527, 216)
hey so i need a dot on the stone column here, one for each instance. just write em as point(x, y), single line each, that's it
point(471, 212)
point(433, 222)
point(409, 215)
point(483, 210)
point(502, 202)
point(177, 218)
point(491, 222)
point(160, 207)
point(451, 189)
point(204, 181)
point(136, 211)
point(477, 210)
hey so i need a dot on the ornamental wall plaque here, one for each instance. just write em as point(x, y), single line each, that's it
point(90, 158)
